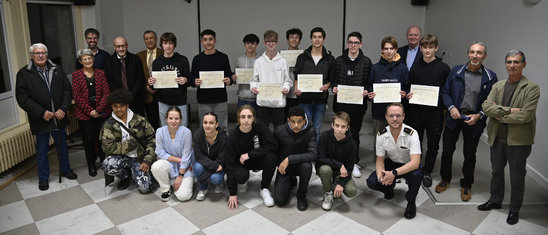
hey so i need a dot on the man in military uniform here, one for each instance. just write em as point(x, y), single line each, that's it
point(398, 156)
point(129, 142)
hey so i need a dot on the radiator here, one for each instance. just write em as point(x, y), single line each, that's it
point(17, 144)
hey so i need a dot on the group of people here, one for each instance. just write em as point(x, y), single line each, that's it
point(140, 132)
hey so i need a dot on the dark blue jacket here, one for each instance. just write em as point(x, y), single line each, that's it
point(452, 94)
point(403, 53)
point(384, 72)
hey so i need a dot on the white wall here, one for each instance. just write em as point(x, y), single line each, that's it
point(502, 25)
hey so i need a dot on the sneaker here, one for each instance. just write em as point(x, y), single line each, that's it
point(219, 188)
point(442, 186)
point(267, 198)
point(327, 201)
point(201, 195)
point(123, 184)
point(166, 195)
point(465, 194)
point(302, 204)
point(242, 188)
point(427, 180)
point(356, 171)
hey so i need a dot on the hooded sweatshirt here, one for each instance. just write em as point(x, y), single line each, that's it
point(298, 147)
point(430, 74)
point(273, 71)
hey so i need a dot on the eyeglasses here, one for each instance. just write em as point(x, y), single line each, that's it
point(271, 42)
point(353, 43)
point(398, 116)
point(39, 53)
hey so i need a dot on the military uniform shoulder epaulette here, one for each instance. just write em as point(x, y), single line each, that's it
point(382, 131)
point(408, 130)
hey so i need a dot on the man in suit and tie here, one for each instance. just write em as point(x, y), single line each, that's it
point(410, 53)
point(147, 56)
point(124, 70)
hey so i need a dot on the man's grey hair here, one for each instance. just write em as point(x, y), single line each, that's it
point(479, 43)
point(515, 53)
point(36, 46)
point(82, 52)
point(414, 26)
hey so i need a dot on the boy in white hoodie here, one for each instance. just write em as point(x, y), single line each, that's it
point(271, 68)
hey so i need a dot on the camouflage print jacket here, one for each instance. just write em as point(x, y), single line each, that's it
point(112, 144)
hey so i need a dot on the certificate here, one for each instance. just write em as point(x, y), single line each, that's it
point(270, 91)
point(350, 94)
point(165, 79)
point(425, 95)
point(244, 75)
point(386, 92)
point(310, 82)
point(212, 79)
point(291, 56)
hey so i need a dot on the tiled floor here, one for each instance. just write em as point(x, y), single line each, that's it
point(84, 206)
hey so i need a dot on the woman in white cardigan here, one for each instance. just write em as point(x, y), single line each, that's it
point(175, 158)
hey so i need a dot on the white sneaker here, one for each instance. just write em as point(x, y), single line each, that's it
point(267, 199)
point(356, 171)
point(219, 188)
point(201, 195)
point(327, 201)
point(242, 188)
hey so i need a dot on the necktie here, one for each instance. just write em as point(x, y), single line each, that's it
point(124, 78)
point(149, 62)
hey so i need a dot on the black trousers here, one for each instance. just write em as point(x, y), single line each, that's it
point(356, 113)
point(271, 115)
point(430, 119)
point(90, 137)
point(413, 179)
point(152, 111)
point(240, 173)
point(470, 146)
point(516, 157)
point(282, 185)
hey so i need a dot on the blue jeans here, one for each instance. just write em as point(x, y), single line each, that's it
point(42, 148)
point(215, 178)
point(315, 113)
point(162, 108)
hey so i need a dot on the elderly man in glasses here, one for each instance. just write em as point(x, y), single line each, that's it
point(398, 156)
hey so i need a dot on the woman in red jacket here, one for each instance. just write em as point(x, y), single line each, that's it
point(90, 92)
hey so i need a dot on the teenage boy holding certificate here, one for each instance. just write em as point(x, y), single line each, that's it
point(246, 61)
point(352, 69)
point(271, 68)
point(315, 60)
point(211, 99)
point(428, 71)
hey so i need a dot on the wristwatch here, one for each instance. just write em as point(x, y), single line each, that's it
point(395, 172)
point(180, 174)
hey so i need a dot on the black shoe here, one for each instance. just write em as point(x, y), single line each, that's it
point(70, 175)
point(43, 185)
point(167, 195)
point(513, 218)
point(108, 179)
point(124, 183)
point(489, 205)
point(389, 195)
point(92, 170)
point(427, 180)
point(410, 211)
point(302, 204)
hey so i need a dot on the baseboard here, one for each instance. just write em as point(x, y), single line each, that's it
point(537, 177)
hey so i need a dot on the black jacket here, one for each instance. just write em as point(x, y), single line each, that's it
point(33, 96)
point(336, 154)
point(298, 147)
point(403, 53)
point(351, 73)
point(135, 78)
point(209, 156)
point(430, 74)
point(305, 65)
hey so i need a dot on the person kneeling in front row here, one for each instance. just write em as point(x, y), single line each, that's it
point(398, 156)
